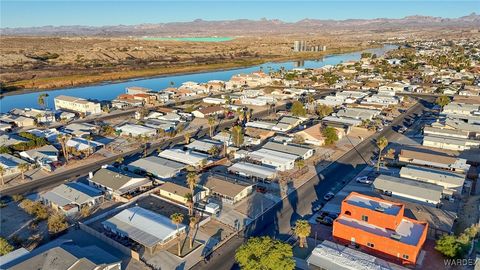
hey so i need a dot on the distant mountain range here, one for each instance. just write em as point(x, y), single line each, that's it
point(244, 27)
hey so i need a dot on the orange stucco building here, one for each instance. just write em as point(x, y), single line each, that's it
point(379, 227)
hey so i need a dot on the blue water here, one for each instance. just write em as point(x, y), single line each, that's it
point(109, 91)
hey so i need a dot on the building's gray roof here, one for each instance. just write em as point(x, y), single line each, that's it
point(73, 192)
point(251, 169)
point(143, 226)
point(449, 140)
point(438, 160)
point(42, 152)
point(11, 139)
point(287, 148)
point(224, 186)
point(186, 157)
point(455, 132)
point(357, 113)
point(67, 257)
point(409, 187)
point(113, 178)
point(289, 120)
point(203, 145)
point(346, 121)
point(160, 167)
point(429, 174)
point(330, 255)
point(458, 124)
point(9, 161)
point(12, 256)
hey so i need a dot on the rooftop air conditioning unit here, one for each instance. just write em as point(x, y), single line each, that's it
point(396, 236)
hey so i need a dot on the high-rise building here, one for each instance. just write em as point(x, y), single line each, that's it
point(296, 46)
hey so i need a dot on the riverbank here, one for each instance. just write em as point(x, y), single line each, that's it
point(62, 82)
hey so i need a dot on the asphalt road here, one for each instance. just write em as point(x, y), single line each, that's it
point(51, 181)
point(278, 221)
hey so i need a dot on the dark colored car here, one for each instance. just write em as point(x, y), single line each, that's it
point(325, 220)
point(261, 189)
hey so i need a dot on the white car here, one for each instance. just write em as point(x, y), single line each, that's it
point(363, 180)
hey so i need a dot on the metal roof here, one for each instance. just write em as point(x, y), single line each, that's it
point(429, 174)
point(186, 157)
point(287, 148)
point(160, 167)
point(224, 187)
point(203, 145)
point(8, 161)
point(251, 169)
point(421, 190)
point(143, 226)
point(73, 192)
point(113, 178)
point(330, 255)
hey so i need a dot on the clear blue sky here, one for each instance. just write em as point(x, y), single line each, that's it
point(97, 13)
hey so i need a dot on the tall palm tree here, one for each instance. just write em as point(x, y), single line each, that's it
point(144, 141)
point(177, 218)
point(302, 231)
point(249, 115)
point(2, 173)
point(381, 144)
point(241, 114)
point(62, 139)
point(192, 179)
point(310, 100)
point(89, 138)
point(42, 101)
point(192, 225)
point(190, 203)
point(211, 124)
point(23, 167)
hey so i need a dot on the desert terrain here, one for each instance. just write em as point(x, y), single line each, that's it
point(44, 58)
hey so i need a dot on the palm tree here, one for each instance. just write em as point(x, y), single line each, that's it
point(192, 181)
point(302, 231)
point(211, 123)
point(42, 101)
point(2, 173)
point(189, 198)
point(272, 106)
point(177, 218)
point(62, 139)
point(187, 137)
point(23, 167)
point(213, 150)
point(144, 141)
point(310, 100)
point(89, 138)
point(241, 114)
point(192, 225)
point(119, 160)
point(228, 100)
point(249, 114)
point(381, 144)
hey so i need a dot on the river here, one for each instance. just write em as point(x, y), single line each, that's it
point(109, 91)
